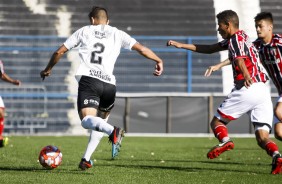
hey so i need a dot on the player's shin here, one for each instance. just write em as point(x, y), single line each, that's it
point(94, 140)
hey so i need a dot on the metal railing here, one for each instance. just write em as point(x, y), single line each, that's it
point(26, 107)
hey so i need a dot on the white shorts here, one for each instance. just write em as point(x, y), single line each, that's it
point(255, 101)
point(1, 103)
point(279, 99)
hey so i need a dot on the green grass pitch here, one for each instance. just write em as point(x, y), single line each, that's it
point(148, 160)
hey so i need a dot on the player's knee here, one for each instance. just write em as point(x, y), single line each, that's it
point(278, 131)
point(278, 113)
point(278, 134)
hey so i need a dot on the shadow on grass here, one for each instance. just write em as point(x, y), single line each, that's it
point(184, 169)
point(195, 161)
point(131, 164)
point(35, 169)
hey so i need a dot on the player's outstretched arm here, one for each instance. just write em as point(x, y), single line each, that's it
point(148, 53)
point(216, 67)
point(56, 56)
point(5, 77)
point(205, 49)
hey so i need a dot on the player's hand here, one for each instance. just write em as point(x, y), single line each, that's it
point(44, 74)
point(174, 43)
point(158, 69)
point(17, 82)
point(210, 70)
point(248, 82)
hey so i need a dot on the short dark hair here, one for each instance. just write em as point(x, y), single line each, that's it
point(228, 16)
point(98, 13)
point(264, 16)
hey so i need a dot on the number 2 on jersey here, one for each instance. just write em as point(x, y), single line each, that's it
point(94, 57)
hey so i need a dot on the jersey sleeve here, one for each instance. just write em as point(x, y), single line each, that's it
point(73, 40)
point(127, 41)
point(238, 47)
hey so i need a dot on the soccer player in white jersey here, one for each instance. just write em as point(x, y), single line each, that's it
point(5, 77)
point(99, 45)
point(250, 94)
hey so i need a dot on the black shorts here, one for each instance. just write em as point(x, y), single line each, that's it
point(95, 93)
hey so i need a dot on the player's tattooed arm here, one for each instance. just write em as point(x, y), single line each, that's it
point(205, 49)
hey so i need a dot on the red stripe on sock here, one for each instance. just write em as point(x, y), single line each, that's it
point(271, 147)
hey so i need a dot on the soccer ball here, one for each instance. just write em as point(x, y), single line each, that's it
point(50, 157)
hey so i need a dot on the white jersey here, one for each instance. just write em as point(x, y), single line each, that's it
point(99, 47)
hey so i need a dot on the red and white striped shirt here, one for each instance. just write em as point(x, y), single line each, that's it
point(271, 58)
point(240, 46)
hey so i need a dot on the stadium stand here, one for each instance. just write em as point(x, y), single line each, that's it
point(22, 22)
point(273, 6)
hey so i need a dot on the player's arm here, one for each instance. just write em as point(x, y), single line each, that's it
point(148, 53)
point(216, 67)
point(206, 49)
point(5, 77)
point(240, 62)
point(56, 56)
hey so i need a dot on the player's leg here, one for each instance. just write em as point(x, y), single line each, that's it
point(92, 122)
point(237, 103)
point(106, 105)
point(88, 103)
point(94, 140)
point(263, 140)
point(3, 140)
point(231, 108)
point(261, 116)
point(278, 120)
point(221, 133)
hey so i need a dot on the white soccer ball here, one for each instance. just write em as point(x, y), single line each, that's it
point(50, 157)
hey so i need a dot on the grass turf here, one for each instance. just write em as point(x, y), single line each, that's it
point(142, 160)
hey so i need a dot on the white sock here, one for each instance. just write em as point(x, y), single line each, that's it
point(225, 139)
point(96, 123)
point(275, 153)
point(94, 140)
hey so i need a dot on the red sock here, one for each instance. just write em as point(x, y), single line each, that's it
point(1, 126)
point(271, 147)
point(220, 132)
